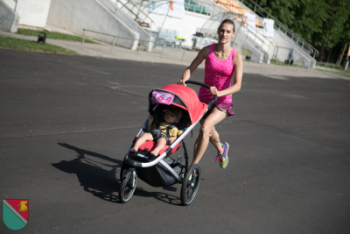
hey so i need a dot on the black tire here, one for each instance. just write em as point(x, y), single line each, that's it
point(126, 189)
point(189, 187)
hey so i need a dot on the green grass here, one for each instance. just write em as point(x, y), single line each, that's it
point(32, 46)
point(328, 68)
point(246, 52)
point(339, 72)
point(343, 73)
point(53, 35)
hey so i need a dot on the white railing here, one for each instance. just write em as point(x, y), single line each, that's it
point(135, 11)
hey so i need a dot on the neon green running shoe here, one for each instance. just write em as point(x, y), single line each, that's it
point(182, 176)
point(223, 157)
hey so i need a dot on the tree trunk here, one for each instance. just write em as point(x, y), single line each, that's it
point(341, 55)
point(329, 54)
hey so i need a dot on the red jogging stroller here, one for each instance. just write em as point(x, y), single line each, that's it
point(164, 170)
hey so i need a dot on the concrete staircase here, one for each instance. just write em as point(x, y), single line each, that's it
point(122, 11)
point(99, 16)
point(8, 17)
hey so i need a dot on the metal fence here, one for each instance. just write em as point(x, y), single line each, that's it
point(328, 67)
point(162, 43)
point(297, 65)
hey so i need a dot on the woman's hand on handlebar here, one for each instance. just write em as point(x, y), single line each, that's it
point(213, 90)
point(182, 82)
point(185, 77)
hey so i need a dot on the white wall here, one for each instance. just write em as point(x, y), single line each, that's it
point(31, 12)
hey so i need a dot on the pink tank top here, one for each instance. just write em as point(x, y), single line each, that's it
point(219, 74)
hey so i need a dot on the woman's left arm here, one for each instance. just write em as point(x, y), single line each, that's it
point(237, 79)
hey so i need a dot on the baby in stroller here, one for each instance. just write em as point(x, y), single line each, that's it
point(163, 133)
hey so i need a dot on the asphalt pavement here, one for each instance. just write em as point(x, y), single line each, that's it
point(66, 122)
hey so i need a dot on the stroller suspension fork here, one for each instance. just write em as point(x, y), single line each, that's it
point(185, 153)
point(130, 173)
point(133, 182)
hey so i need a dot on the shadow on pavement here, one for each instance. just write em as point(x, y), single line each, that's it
point(98, 173)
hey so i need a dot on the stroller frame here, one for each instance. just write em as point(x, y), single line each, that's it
point(190, 180)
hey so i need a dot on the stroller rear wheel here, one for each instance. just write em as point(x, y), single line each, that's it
point(128, 186)
point(190, 184)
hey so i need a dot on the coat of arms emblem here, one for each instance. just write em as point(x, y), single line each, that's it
point(15, 213)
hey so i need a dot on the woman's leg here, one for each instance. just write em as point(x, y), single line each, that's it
point(214, 138)
point(215, 117)
point(145, 137)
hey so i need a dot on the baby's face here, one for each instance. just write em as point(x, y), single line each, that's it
point(170, 117)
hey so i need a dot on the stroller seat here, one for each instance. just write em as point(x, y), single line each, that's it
point(150, 145)
point(158, 115)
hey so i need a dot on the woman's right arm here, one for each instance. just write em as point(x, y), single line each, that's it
point(202, 54)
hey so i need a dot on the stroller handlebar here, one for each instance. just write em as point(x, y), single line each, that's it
point(197, 83)
point(206, 86)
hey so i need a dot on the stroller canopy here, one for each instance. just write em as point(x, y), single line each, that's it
point(190, 98)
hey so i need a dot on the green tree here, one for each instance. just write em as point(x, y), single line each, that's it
point(309, 18)
point(333, 27)
point(323, 23)
point(280, 9)
point(344, 39)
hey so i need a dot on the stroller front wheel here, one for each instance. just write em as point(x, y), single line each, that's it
point(128, 186)
point(190, 184)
